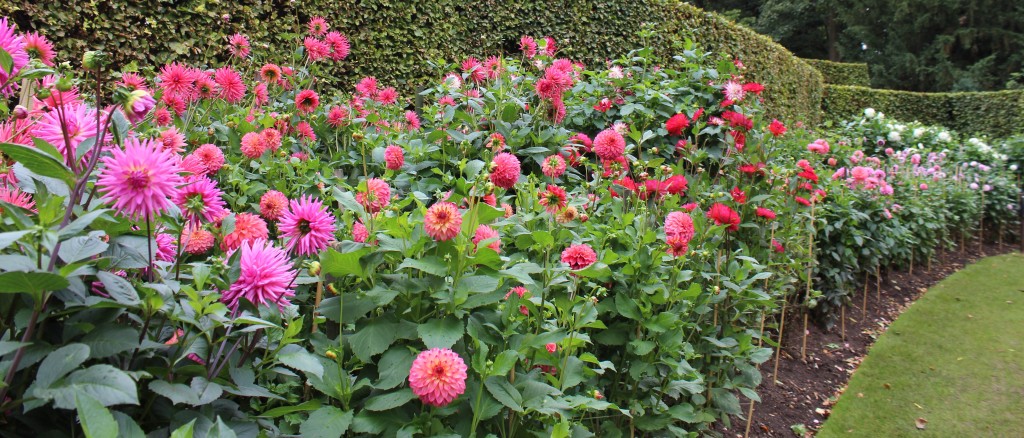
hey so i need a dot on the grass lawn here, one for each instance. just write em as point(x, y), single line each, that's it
point(955, 358)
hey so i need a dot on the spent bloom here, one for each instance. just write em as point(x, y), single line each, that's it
point(442, 221)
point(308, 226)
point(266, 276)
point(438, 376)
point(140, 179)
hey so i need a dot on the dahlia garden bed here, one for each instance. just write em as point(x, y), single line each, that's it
point(540, 248)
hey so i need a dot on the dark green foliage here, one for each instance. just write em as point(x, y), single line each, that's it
point(842, 73)
point(393, 40)
point(997, 113)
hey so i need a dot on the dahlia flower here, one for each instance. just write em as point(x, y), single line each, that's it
point(273, 205)
point(442, 221)
point(438, 376)
point(376, 196)
point(38, 47)
point(484, 232)
point(394, 157)
point(316, 49)
point(253, 145)
point(339, 45)
point(676, 124)
point(553, 166)
point(270, 73)
point(579, 256)
point(172, 140)
point(248, 228)
point(721, 214)
point(14, 44)
point(318, 25)
point(138, 105)
point(609, 144)
point(211, 156)
point(166, 248)
point(553, 199)
point(307, 101)
point(232, 89)
point(307, 225)
point(505, 170)
point(765, 213)
point(360, 233)
point(197, 240)
point(777, 128)
point(200, 201)
point(177, 80)
point(14, 196)
point(238, 45)
point(528, 46)
point(78, 119)
point(140, 179)
point(265, 279)
point(337, 116)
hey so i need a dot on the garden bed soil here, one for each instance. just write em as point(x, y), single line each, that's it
point(805, 391)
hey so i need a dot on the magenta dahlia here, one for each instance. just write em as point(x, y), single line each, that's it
point(140, 179)
point(308, 226)
point(266, 276)
point(200, 201)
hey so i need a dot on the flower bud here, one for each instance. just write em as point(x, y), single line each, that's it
point(20, 112)
point(43, 93)
point(94, 60)
point(332, 288)
point(331, 355)
point(314, 268)
point(357, 136)
point(64, 84)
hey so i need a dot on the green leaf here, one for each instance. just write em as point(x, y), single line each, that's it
point(95, 418)
point(441, 333)
point(59, 363)
point(297, 357)
point(9, 346)
point(119, 289)
point(342, 264)
point(127, 427)
point(504, 393)
point(185, 431)
point(34, 282)
point(50, 149)
point(388, 401)
point(38, 161)
point(430, 264)
point(178, 393)
point(627, 307)
point(326, 422)
point(393, 367)
point(284, 410)
point(504, 363)
point(109, 340)
point(373, 339)
point(474, 284)
point(6, 61)
point(80, 248)
point(221, 430)
point(108, 385)
point(6, 239)
point(81, 223)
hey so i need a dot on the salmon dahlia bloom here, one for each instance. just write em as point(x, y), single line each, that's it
point(394, 157)
point(266, 276)
point(376, 196)
point(248, 228)
point(197, 240)
point(438, 376)
point(505, 170)
point(210, 156)
point(442, 221)
point(140, 179)
point(273, 205)
point(485, 232)
point(308, 226)
point(553, 166)
point(579, 256)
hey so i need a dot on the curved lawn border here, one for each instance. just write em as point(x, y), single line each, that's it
point(951, 365)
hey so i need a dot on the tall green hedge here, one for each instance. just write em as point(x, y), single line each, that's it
point(996, 113)
point(842, 73)
point(392, 40)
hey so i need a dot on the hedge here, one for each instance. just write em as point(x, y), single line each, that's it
point(996, 113)
point(392, 40)
point(842, 73)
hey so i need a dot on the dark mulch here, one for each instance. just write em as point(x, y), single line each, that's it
point(806, 390)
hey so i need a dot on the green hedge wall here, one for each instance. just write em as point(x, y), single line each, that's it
point(996, 113)
point(842, 73)
point(392, 40)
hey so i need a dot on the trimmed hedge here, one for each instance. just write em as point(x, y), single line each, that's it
point(996, 113)
point(393, 40)
point(842, 73)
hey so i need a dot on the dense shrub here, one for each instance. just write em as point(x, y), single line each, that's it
point(392, 40)
point(998, 113)
point(842, 73)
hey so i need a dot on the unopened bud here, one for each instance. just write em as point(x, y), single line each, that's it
point(94, 60)
point(64, 84)
point(654, 150)
point(314, 268)
point(331, 355)
point(43, 93)
point(20, 112)
point(332, 289)
point(357, 136)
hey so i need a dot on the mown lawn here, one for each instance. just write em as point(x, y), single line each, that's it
point(955, 359)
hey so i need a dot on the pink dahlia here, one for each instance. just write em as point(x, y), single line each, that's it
point(609, 144)
point(238, 45)
point(266, 276)
point(200, 201)
point(307, 101)
point(197, 240)
point(79, 121)
point(16, 197)
point(339, 45)
point(721, 214)
point(820, 146)
point(438, 376)
point(271, 138)
point(232, 89)
point(549, 46)
point(162, 117)
point(676, 124)
point(484, 232)
point(318, 25)
point(738, 196)
point(337, 116)
point(474, 69)
point(14, 45)
point(307, 225)
point(394, 157)
point(38, 47)
point(138, 105)
point(305, 131)
point(248, 228)
point(674, 184)
point(367, 87)
point(734, 91)
point(273, 205)
point(528, 46)
point(413, 120)
point(680, 225)
point(505, 170)
point(765, 213)
point(270, 73)
point(177, 80)
point(359, 232)
point(211, 156)
point(442, 221)
point(133, 81)
point(172, 140)
point(553, 199)
point(386, 96)
point(206, 87)
point(376, 196)
point(579, 256)
point(253, 145)
point(316, 49)
point(166, 248)
point(140, 179)
point(553, 166)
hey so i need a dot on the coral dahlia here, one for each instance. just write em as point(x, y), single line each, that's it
point(442, 221)
point(273, 205)
point(505, 170)
point(438, 376)
point(579, 256)
point(248, 228)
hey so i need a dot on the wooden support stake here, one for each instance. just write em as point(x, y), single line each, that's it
point(842, 310)
point(316, 306)
point(864, 305)
point(778, 350)
point(803, 348)
point(878, 284)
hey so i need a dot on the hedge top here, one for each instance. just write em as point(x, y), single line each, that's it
point(842, 73)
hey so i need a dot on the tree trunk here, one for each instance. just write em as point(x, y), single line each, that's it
point(832, 29)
